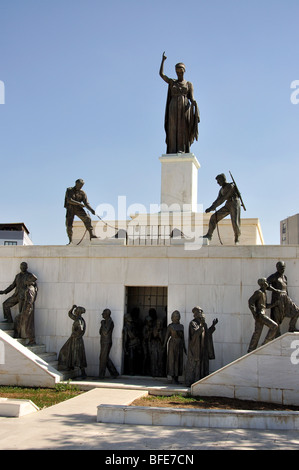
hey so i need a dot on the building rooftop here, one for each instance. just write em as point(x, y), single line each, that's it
point(18, 227)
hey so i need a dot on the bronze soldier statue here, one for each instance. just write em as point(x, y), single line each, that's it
point(75, 201)
point(230, 195)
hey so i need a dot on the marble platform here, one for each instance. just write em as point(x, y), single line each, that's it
point(269, 374)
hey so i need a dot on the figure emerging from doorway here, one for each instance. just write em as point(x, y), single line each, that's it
point(157, 350)
point(131, 346)
point(146, 345)
point(175, 341)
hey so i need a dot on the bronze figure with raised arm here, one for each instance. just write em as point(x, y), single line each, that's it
point(181, 113)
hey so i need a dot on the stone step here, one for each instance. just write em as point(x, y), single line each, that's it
point(10, 332)
point(70, 374)
point(49, 357)
point(37, 349)
point(4, 325)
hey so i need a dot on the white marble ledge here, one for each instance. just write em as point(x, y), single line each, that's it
point(199, 418)
point(16, 408)
point(118, 249)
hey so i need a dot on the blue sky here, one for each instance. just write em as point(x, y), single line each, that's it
point(83, 99)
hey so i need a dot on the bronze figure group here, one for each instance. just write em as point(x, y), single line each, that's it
point(159, 351)
point(143, 344)
point(151, 347)
point(282, 306)
point(181, 128)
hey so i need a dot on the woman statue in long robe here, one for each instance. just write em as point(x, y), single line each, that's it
point(181, 114)
point(176, 347)
point(72, 353)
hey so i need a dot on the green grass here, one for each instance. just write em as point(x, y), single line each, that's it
point(189, 401)
point(168, 400)
point(42, 397)
point(176, 398)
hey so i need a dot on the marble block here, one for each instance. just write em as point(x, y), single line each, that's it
point(179, 182)
point(16, 408)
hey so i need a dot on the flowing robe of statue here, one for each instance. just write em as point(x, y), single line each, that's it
point(181, 113)
point(72, 353)
point(181, 117)
point(200, 351)
point(174, 338)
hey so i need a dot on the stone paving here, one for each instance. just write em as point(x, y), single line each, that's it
point(72, 425)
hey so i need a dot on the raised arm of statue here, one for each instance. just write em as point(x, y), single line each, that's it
point(71, 312)
point(161, 72)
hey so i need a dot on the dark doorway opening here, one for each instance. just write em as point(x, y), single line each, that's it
point(145, 324)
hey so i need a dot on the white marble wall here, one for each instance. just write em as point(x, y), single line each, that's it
point(268, 374)
point(219, 279)
point(191, 224)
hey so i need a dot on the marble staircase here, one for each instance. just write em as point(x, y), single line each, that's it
point(40, 350)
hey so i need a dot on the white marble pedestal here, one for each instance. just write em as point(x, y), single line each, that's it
point(179, 174)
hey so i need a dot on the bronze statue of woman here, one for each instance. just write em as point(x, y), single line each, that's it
point(72, 353)
point(181, 114)
point(174, 339)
